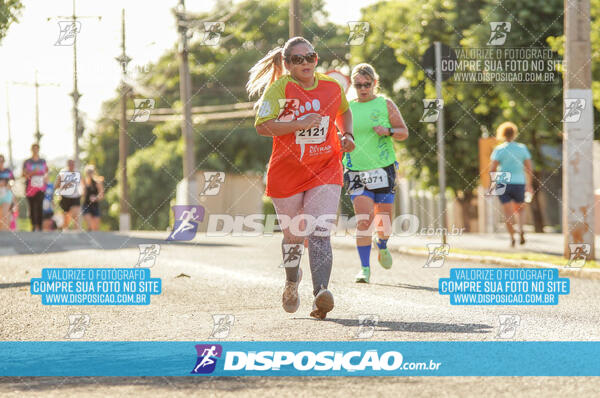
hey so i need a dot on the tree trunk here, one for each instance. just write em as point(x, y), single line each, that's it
point(536, 206)
point(468, 210)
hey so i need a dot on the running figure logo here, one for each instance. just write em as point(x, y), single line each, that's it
point(499, 180)
point(148, 255)
point(499, 33)
point(68, 30)
point(141, 112)
point(78, 323)
point(212, 182)
point(292, 254)
point(69, 183)
point(437, 255)
point(356, 183)
point(222, 326)
point(187, 219)
point(573, 109)
point(579, 252)
point(207, 358)
point(508, 326)
point(288, 109)
point(431, 110)
point(366, 326)
point(358, 32)
point(212, 33)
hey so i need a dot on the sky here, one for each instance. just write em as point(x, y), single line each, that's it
point(30, 45)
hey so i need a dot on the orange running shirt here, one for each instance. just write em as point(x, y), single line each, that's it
point(303, 159)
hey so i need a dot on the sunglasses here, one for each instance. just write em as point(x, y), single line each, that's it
point(298, 59)
point(365, 85)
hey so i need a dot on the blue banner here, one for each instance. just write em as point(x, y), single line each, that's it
point(504, 286)
point(95, 286)
point(300, 358)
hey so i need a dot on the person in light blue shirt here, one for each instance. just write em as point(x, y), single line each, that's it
point(513, 160)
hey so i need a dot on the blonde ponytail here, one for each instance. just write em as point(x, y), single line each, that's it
point(265, 72)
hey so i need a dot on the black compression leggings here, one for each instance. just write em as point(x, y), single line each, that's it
point(35, 210)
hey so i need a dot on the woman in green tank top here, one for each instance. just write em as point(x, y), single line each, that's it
point(370, 174)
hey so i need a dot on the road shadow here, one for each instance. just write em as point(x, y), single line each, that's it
point(23, 243)
point(416, 327)
point(15, 284)
point(408, 286)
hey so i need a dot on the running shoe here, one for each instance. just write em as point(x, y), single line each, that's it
point(384, 257)
point(290, 299)
point(323, 304)
point(363, 275)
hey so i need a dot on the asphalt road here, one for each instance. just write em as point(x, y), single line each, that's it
point(240, 276)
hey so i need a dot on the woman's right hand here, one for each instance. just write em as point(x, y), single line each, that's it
point(310, 121)
point(382, 131)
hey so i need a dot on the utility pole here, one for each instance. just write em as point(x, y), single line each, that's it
point(37, 135)
point(578, 182)
point(75, 94)
point(440, 140)
point(295, 26)
point(123, 59)
point(189, 179)
point(10, 153)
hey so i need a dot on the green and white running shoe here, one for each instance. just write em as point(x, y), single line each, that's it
point(384, 257)
point(363, 275)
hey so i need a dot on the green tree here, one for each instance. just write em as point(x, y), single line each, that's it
point(10, 11)
point(155, 183)
point(533, 107)
point(470, 109)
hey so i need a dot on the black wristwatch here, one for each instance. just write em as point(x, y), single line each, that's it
point(390, 132)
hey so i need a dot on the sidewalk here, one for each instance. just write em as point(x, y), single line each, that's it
point(541, 243)
point(540, 250)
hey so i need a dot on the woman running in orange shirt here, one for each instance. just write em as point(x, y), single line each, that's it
point(301, 110)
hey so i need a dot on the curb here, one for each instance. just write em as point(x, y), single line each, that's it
point(583, 273)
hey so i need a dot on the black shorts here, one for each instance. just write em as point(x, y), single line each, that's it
point(513, 192)
point(379, 195)
point(92, 209)
point(67, 203)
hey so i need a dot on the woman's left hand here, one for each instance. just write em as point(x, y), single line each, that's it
point(381, 131)
point(347, 144)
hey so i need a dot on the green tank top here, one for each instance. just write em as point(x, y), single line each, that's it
point(372, 151)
